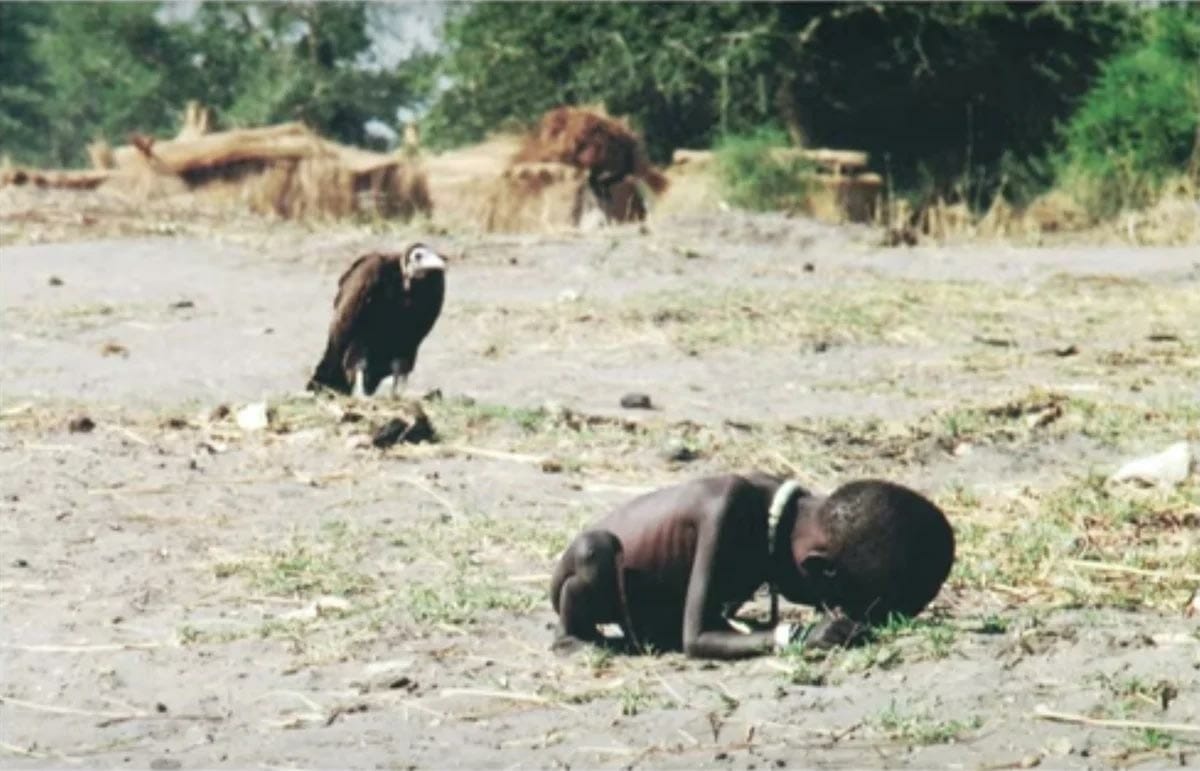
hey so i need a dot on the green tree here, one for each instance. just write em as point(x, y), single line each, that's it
point(107, 69)
point(75, 71)
point(22, 123)
point(298, 61)
point(949, 94)
point(1140, 123)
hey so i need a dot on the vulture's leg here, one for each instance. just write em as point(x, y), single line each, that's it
point(358, 391)
point(400, 370)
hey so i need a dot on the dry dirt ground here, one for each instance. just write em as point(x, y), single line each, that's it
point(176, 592)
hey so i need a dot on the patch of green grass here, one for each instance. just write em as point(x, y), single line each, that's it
point(461, 600)
point(993, 624)
point(1085, 543)
point(935, 635)
point(921, 728)
point(1149, 740)
point(599, 659)
point(634, 698)
point(803, 670)
point(302, 568)
point(755, 174)
point(916, 314)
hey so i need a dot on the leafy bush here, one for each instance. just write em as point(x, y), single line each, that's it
point(950, 99)
point(1140, 124)
point(756, 175)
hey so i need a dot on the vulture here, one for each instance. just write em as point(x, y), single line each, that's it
point(385, 306)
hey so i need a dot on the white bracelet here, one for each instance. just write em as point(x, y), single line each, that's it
point(783, 636)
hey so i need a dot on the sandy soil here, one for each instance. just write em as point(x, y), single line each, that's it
point(178, 593)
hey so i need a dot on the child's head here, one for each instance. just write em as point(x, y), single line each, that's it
point(872, 548)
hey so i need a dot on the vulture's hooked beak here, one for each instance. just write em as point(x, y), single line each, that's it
point(423, 261)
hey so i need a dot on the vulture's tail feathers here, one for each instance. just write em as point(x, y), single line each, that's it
point(329, 374)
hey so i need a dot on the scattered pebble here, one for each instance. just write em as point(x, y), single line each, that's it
point(165, 764)
point(995, 342)
point(212, 446)
point(81, 425)
point(20, 563)
point(321, 606)
point(821, 346)
point(181, 304)
point(809, 267)
point(55, 281)
point(552, 466)
point(1060, 746)
point(1066, 350)
point(678, 452)
point(220, 412)
point(636, 401)
point(388, 675)
point(1045, 416)
point(113, 348)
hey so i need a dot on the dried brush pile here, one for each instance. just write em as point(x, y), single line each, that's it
point(577, 168)
point(286, 170)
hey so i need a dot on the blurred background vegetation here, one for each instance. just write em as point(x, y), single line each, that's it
point(961, 101)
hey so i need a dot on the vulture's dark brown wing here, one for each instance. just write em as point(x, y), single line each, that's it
point(357, 287)
point(337, 299)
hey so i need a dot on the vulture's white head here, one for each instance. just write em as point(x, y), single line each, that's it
point(420, 260)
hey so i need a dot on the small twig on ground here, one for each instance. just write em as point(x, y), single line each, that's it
point(16, 410)
point(674, 694)
point(1045, 713)
point(1108, 567)
point(496, 454)
point(27, 753)
point(450, 508)
point(129, 434)
point(531, 698)
point(110, 718)
point(56, 710)
point(155, 716)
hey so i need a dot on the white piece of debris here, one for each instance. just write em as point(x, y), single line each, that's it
point(322, 606)
point(253, 417)
point(1169, 467)
point(1193, 606)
